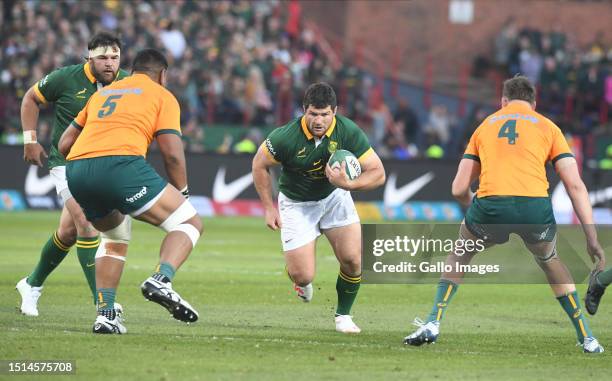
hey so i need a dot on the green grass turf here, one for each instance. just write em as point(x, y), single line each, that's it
point(253, 327)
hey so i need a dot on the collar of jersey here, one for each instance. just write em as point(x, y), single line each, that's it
point(517, 106)
point(90, 75)
point(309, 136)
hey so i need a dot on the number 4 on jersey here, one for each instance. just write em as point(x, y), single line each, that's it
point(508, 130)
point(108, 107)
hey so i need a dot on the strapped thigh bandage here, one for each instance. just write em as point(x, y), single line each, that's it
point(547, 258)
point(122, 233)
point(550, 256)
point(176, 222)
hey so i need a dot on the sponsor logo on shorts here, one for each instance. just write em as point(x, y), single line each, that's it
point(137, 196)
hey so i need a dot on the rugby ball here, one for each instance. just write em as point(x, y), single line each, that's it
point(352, 166)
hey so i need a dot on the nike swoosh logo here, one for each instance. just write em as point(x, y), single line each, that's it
point(82, 91)
point(394, 196)
point(37, 186)
point(223, 192)
point(90, 264)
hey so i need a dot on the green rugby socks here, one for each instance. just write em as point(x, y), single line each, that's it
point(86, 251)
point(164, 272)
point(604, 278)
point(571, 306)
point(51, 255)
point(106, 302)
point(347, 288)
point(444, 294)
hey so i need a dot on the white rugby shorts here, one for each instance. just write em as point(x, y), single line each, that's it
point(302, 221)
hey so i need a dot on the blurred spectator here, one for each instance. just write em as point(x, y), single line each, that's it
point(172, 39)
point(504, 43)
point(249, 143)
point(406, 120)
point(438, 126)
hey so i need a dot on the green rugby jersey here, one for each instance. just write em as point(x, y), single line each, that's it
point(69, 88)
point(303, 157)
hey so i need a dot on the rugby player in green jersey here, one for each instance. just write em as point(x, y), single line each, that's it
point(314, 198)
point(69, 88)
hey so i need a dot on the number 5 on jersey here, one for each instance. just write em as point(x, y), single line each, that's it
point(108, 107)
point(508, 130)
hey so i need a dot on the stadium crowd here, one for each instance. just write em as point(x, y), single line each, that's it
point(574, 82)
point(247, 63)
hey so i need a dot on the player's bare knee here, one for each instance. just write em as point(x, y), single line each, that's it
point(351, 265)
point(67, 234)
point(301, 278)
point(85, 228)
point(196, 221)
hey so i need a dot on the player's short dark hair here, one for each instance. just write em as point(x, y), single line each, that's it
point(149, 61)
point(320, 95)
point(519, 88)
point(103, 39)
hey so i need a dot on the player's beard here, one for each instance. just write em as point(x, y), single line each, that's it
point(104, 77)
point(319, 131)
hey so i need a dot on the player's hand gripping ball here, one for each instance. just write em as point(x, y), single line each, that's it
point(352, 166)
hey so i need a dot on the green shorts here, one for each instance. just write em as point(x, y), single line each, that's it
point(103, 184)
point(494, 218)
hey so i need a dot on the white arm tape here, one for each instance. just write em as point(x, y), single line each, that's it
point(29, 137)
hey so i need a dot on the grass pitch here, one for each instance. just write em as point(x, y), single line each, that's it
point(252, 327)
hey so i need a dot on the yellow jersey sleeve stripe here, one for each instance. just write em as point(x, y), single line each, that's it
point(77, 126)
point(39, 95)
point(268, 153)
point(470, 156)
point(561, 156)
point(167, 131)
point(365, 154)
